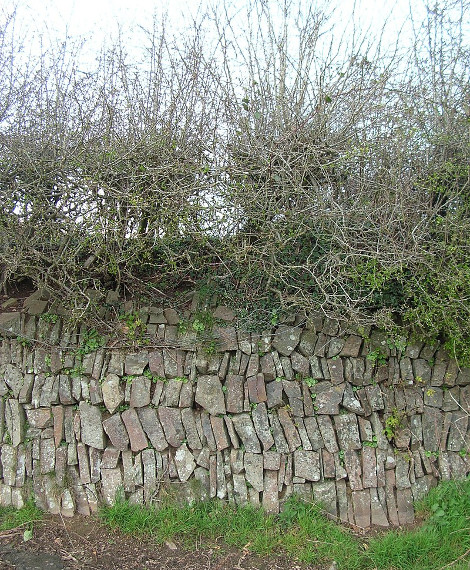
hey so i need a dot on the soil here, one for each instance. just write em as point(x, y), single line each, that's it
point(84, 543)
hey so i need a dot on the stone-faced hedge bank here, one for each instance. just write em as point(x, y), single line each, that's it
point(358, 423)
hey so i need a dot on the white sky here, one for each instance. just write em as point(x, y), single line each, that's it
point(96, 20)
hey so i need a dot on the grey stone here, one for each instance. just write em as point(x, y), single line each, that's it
point(14, 379)
point(116, 431)
point(374, 395)
point(286, 339)
point(189, 424)
point(184, 461)
point(135, 363)
point(294, 395)
point(289, 428)
point(153, 428)
point(234, 393)
point(10, 324)
point(328, 433)
point(278, 434)
point(422, 369)
point(274, 394)
point(209, 394)
point(315, 368)
point(328, 397)
point(336, 370)
point(222, 440)
point(270, 499)
point(91, 426)
point(432, 427)
point(261, 423)
point(308, 340)
point(113, 392)
point(226, 338)
point(307, 465)
point(253, 463)
point(39, 418)
point(245, 429)
point(140, 392)
point(137, 437)
point(350, 402)
point(347, 431)
point(354, 469)
point(324, 493)
point(111, 482)
point(170, 419)
point(405, 506)
point(313, 433)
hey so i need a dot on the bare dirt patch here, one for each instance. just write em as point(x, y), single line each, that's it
point(84, 543)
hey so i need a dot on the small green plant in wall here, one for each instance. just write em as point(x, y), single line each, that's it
point(377, 357)
point(393, 424)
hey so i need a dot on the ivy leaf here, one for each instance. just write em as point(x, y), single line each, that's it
point(27, 535)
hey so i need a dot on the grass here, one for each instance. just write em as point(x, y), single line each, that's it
point(302, 531)
point(12, 518)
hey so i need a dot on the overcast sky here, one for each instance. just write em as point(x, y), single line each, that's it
point(95, 20)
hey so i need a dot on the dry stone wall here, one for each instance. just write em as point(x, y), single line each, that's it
point(347, 419)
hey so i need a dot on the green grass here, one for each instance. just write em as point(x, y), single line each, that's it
point(442, 539)
point(302, 531)
point(25, 517)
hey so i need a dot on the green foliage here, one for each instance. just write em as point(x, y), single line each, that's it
point(302, 531)
point(24, 517)
point(90, 341)
point(393, 423)
point(442, 540)
point(377, 357)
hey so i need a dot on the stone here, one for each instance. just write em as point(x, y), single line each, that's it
point(39, 418)
point(171, 316)
point(92, 433)
point(352, 346)
point(113, 392)
point(136, 363)
point(328, 433)
point(209, 394)
point(222, 440)
point(432, 427)
point(350, 402)
point(274, 394)
point(189, 425)
point(261, 422)
point(294, 395)
point(225, 338)
point(152, 427)
point(313, 432)
point(137, 437)
point(354, 470)
point(116, 431)
point(270, 499)
point(245, 429)
point(336, 370)
point(369, 467)
point(308, 340)
point(347, 431)
point(271, 460)
point(10, 324)
point(170, 419)
point(111, 482)
point(14, 379)
point(234, 393)
point(253, 464)
point(362, 508)
point(257, 389)
point(324, 493)
point(378, 513)
point(278, 434)
point(208, 434)
point(140, 392)
point(405, 506)
point(374, 396)
point(47, 456)
point(184, 461)
point(307, 465)
point(286, 339)
point(328, 397)
point(457, 439)
point(290, 431)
